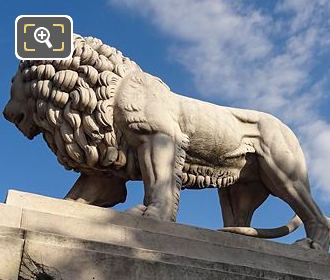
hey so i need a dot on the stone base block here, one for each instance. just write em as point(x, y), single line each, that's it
point(47, 238)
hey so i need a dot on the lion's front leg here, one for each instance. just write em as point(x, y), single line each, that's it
point(157, 159)
point(98, 189)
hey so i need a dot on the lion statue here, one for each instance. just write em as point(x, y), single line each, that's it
point(104, 117)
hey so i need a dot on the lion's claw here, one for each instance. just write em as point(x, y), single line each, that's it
point(149, 211)
point(152, 212)
point(137, 210)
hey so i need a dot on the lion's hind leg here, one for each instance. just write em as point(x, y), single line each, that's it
point(239, 201)
point(291, 185)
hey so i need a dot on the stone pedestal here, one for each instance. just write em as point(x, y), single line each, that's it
point(46, 238)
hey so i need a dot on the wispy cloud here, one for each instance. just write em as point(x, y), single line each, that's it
point(271, 59)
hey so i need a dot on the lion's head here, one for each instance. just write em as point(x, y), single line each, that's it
point(71, 103)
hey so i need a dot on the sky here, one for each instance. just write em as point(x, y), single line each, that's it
point(268, 55)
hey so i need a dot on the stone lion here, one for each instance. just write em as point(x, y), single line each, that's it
point(104, 117)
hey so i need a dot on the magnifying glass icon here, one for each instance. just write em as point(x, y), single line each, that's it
point(42, 35)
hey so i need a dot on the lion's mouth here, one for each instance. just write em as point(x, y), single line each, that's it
point(19, 118)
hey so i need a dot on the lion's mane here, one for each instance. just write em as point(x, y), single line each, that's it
point(73, 103)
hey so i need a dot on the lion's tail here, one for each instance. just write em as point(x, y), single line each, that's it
point(293, 224)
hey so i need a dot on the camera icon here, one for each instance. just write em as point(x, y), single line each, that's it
point(43, 37)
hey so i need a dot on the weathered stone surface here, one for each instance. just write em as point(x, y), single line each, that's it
point(10, 216)
point(11, 248)
point(69, 240)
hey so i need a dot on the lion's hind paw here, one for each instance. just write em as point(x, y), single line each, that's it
point(308, 243)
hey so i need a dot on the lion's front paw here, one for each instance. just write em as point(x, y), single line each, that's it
point(137, 210)
point(150, 211)
point(153, 212)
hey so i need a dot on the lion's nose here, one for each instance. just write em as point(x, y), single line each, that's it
point(11, 116)
point(6, 114)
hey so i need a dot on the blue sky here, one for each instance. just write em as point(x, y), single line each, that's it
point(266, 55)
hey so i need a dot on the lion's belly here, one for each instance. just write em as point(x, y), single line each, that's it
point(220, 145)
point(197, 174)
point(240, 164)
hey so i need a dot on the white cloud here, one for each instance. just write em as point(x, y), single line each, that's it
point(317, 139)
point(255, 58)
